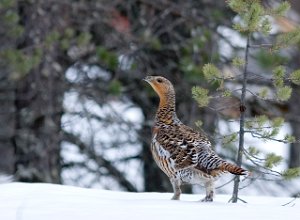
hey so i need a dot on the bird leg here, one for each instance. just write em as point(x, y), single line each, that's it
point(209, 187)
point(176, 189)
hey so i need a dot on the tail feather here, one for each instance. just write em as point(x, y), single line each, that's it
point(234, 169)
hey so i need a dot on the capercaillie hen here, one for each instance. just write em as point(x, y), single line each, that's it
point(183, 154)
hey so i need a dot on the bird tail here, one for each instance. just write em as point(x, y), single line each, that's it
point(234, 169)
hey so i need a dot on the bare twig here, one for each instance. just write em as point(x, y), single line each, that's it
point(296, 197)
point(259, 46)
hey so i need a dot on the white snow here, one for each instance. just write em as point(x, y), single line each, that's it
point(21, 201)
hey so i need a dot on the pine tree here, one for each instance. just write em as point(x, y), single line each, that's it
point(253, 18)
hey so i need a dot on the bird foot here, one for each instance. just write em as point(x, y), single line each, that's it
point(207, 199)
point(175, 197)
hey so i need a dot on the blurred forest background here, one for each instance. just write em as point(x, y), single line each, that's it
point(74, 109)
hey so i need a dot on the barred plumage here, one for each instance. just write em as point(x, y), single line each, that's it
point(182, 153)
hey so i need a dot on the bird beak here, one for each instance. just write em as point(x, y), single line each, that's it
point(147, 79)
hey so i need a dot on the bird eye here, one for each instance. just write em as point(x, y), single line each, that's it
point(159, 80)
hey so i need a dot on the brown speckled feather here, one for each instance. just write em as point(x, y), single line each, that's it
point(184, 154)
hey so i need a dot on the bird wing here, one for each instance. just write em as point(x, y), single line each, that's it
point(187, 148)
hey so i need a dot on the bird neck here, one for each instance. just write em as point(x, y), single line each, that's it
point(166, 112)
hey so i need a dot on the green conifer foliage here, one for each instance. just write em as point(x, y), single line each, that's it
point(255, 18)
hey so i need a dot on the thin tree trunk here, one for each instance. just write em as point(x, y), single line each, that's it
point(242, 124)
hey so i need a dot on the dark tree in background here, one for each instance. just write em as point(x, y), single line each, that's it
point(122, 41)
point(7, 95)
point(33, 79)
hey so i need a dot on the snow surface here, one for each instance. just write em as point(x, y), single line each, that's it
point(28, 201)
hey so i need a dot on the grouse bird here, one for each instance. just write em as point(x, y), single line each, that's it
point(183, 154)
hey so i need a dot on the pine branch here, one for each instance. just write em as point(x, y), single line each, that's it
point(258, 135)
point(218, 187)
point(259, 46)
point(270, 171)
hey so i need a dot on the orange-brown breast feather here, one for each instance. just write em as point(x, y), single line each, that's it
point(161, 91)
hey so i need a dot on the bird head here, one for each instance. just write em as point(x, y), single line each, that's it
point(161, 85)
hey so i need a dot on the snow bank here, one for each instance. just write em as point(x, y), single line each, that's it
point(5, 178)
point(20, 201)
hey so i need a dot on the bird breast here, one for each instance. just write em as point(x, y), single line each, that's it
point(162, 158)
